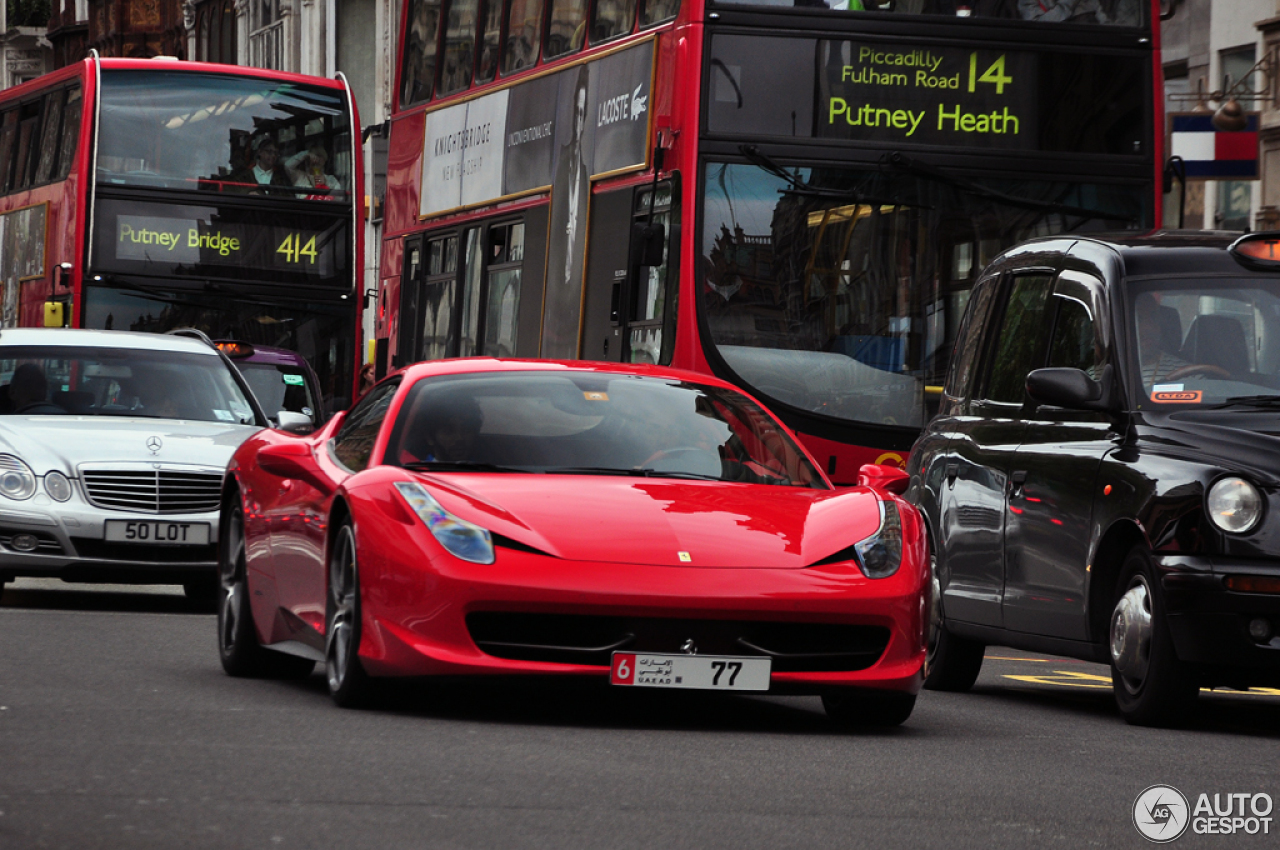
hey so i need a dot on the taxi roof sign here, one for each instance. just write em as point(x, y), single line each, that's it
point(1258, 250)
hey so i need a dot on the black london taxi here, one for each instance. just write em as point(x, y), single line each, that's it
point(1102, 479)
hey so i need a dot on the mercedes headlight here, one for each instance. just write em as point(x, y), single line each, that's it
point(57, 486)
point(460, 538)
point(17, 481)
point(1234, 505)
point(881, 554)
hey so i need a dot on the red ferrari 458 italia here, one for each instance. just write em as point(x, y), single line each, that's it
point(649, 526)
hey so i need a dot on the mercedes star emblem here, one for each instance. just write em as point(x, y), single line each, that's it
point(154, 443)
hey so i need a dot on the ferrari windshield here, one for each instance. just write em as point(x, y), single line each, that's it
point(99, 381)
point(1206, 341)
point(594, 424)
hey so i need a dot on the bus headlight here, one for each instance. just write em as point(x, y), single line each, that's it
point(57, 486)
point(464, 540)
point(17, 481)
point(880, 555)
point(1234, 505)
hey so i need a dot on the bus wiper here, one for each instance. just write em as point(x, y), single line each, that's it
point(634, 472)
point(902, 162)
point(458, 466)
point(1259, 401)
point(802, 187)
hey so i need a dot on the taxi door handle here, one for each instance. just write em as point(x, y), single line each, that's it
point(952, 470)
point(1016, 480)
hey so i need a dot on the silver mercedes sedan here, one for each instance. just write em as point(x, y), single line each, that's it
point(112, 451)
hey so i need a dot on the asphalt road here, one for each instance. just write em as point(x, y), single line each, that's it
point(119, 729)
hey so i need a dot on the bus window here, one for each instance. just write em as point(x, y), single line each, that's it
point(8, 139)
point(472, 276)
point(49, 149)
point(567, 26)
point(459, 46)
point(28, 133)
point(418, 75)
point(70, 132)
point(612, 18)
point(524, 29)
point(656, 11)
point(490, 41)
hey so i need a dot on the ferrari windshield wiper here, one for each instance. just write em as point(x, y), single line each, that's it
point(458, 466)
point(634, 472)
point(1258, 401)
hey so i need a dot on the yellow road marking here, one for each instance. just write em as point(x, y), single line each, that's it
point(1072, 679)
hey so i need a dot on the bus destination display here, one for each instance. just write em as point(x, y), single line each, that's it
point(930, 95)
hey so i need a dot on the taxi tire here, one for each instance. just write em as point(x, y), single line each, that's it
point(238, 648)
point(857, 708)
point(349, 685)
point(951, 663)
point(1167, 693)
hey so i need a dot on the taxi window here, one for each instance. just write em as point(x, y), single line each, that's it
point(1020, 338)
point(1075, 343)
point(969, 344)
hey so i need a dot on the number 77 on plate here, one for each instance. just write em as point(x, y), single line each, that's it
point(696, 672)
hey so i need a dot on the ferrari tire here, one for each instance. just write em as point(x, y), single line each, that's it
point(951, 663)
point(1152, 687)
point(238, 648)
point(349, 684)
point(854, 708)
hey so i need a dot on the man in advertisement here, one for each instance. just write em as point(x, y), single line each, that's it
point(570, 195)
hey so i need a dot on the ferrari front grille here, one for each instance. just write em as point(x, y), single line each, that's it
point(591, 640)
point(157, 491)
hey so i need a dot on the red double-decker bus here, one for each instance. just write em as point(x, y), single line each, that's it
point(149, 194)
point(797, 198)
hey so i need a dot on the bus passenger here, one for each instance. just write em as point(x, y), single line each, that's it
point(307, 168)
point(266, 168)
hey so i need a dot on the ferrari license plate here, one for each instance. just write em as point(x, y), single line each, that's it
point(158, 532)
point(699, 672)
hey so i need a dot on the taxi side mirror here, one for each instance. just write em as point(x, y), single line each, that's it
point(1071, 388)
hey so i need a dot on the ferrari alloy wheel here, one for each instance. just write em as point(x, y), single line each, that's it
point(349, 685)
point(1152, 687)
point(238, 646)
point(951, 663)
point(854, 708)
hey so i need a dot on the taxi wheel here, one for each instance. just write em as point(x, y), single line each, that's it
point(1152, 687)
point(951, 663)
point(238, 646)
point(349, 684)
point(853, 708)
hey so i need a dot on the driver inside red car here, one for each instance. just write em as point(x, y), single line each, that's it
point(444, 432)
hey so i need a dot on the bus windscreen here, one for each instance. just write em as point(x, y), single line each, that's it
point(216, 133)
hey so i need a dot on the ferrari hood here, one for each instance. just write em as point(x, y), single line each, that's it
point(64, 442)
point(662, 522)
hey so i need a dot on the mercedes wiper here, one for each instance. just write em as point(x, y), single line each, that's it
point(458, 466)
point(902, 162)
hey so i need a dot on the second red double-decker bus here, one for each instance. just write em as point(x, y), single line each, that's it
point(797, 198)
point(151, 194)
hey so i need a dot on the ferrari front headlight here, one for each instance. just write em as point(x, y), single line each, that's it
point(17, 481)
point(880, 555)
point(464, 540)
point(1234, 505)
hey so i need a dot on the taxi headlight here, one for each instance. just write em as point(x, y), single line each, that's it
point(464, 540)
point(17, 481)
point(1234, 505)
point(880, 555)
point(57, 486)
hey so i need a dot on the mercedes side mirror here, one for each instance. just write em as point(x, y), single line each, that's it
point(294, 423)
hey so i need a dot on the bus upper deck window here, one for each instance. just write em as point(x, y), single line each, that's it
point(612, 18)
point(458, 61)
point(417, 78)
point(656, 11)
point(490, 41)
point(566, 28)
point(524, 35)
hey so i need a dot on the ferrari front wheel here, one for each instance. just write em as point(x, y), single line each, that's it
point(238, 646)
point(349, 685)
point(855, 708)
